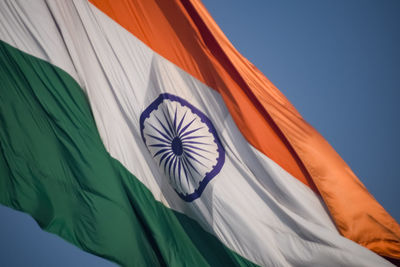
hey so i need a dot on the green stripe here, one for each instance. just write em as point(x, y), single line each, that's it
point(53, 165)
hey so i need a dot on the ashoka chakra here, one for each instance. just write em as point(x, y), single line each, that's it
point(183, 142)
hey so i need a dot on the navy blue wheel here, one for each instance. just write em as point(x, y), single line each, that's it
point(183, 142)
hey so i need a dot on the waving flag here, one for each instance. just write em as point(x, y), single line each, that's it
point(134, 130)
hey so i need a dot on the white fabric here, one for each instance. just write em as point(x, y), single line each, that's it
point(252, 205)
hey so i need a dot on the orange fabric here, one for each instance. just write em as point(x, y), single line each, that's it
point(184, 33)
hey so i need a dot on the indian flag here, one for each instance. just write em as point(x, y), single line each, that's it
point(134, 130)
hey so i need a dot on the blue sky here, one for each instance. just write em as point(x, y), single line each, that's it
point(338, 62)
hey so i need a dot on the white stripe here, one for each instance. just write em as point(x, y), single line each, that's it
point(253, 206)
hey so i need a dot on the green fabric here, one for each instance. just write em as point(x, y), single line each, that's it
point(53, 165)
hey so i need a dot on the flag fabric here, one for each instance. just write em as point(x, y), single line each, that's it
point(134, 130)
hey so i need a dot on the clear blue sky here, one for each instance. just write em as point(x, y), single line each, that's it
point(338, 62)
